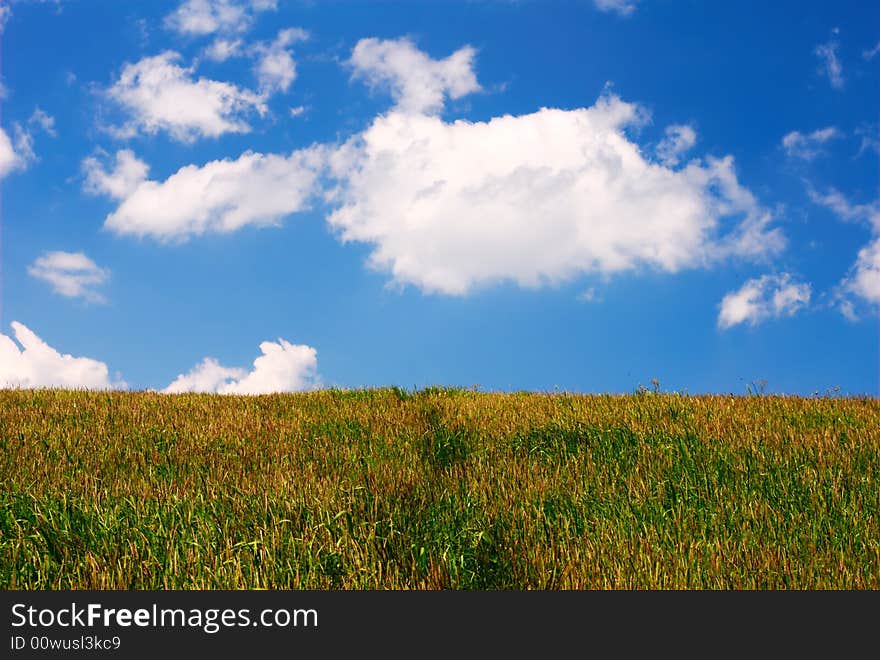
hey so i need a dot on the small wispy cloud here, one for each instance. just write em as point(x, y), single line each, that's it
point(829, 62)
point(619, 7)
point(871, 53)
point(807, 146)
point(842, 207)
point(17, 153)
point(70, 274)
point(589, 295)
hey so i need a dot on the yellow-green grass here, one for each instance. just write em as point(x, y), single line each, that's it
point(437, 489)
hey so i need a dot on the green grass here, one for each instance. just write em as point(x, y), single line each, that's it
point(442, 488)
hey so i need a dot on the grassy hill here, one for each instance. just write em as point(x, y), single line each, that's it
point(437, 489)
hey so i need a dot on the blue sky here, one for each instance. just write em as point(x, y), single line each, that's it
point(248, 195)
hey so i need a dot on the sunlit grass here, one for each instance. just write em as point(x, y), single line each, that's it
point(437, 489)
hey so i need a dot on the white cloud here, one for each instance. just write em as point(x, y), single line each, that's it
point(220, 196)
point(869, 139)
point(418, 83)
point(275, 67)
point(202, 17)
point(18, 153)
point(769, 296)
point(620, 7)
point(864, 279)
point(71, 274)
point(679, 140)
point(9, 160)
point(122, 181)
point(829, 63)
point(282, 367)
point(870, 54)
point(808, 146)
point(24, 145)
point(222, 49)
point(298, 111)
point(160, 95)
point(43, 121)
point(36, 364)
point(6, 9)
point(846, 210)
point(848, 310)
point(5, 13)
point(534, 199)
point(589, 296)
point(207, 376)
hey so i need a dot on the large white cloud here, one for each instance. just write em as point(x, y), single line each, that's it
point(160, 95)
point(202, 17)
point(417, 82)
point(32, 363)
point(219, 196)
point(534, 199)
point(769, 296)
point(282, 367)
point(71, 274)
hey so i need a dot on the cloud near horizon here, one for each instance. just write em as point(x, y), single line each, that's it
point(282, 367)
point(28, 362)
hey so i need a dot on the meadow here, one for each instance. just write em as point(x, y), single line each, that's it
point(437, 489)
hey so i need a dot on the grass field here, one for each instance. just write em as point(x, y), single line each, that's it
point(437, 489)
